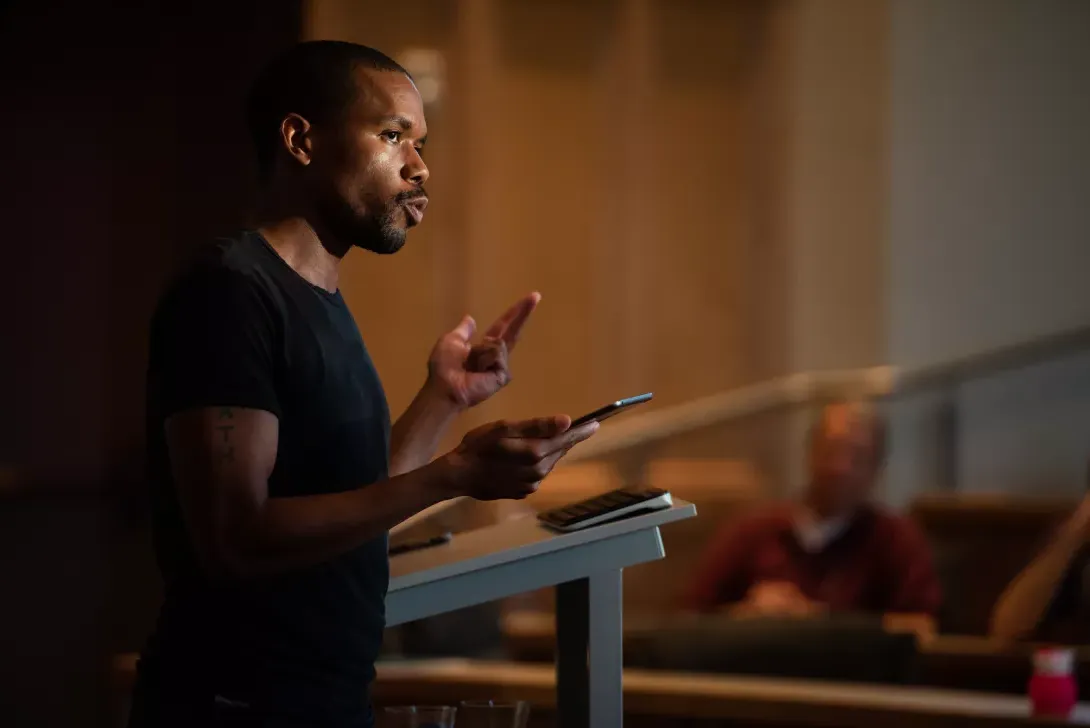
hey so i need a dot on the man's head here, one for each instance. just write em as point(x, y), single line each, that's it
point(847, 449)
point(340, 128)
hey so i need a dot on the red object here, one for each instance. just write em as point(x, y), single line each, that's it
point(1053, 690)
point(881, 563)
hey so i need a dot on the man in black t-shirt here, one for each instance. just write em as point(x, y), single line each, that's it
point(275, 473)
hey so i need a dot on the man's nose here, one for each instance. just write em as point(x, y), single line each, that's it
point(415, 171)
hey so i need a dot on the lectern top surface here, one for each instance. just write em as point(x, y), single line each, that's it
point(518, 538)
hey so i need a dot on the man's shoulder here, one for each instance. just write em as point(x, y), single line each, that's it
point(223, 266)
point(238, 258)
point(225, 277)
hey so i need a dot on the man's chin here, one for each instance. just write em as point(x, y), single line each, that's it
point(388, 242)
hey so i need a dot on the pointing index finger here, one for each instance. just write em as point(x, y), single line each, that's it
point(509, 325)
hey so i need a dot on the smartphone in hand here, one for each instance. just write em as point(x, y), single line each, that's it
point(611, 409)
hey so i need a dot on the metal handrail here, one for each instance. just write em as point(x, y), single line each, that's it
point(995, 361)
point(811, 387)
point(769, 396)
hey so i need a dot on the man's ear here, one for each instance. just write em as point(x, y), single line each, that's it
point(295, 136)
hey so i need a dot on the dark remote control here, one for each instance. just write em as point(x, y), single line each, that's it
point(606, 507)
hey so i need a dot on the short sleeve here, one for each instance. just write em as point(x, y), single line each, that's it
point(212, 345)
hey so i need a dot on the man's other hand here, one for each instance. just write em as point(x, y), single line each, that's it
point(469, 373)
point(510, 459)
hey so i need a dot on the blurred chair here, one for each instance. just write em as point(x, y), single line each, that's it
point(692, 477)
point(846, 648)
point(980, 542)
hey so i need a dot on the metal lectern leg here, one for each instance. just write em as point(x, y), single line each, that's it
point(589, 619)
point(606, 647)
point(572, 641)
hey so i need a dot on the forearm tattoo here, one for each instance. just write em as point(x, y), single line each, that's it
point(225, 452)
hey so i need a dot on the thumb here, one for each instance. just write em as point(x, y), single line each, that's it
point(541, 427)
point(465, 329)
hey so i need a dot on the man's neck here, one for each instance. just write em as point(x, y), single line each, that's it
point(298, 244)
point(292, 232)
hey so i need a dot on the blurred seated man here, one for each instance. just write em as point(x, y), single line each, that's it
point(833, 551)
point(1050, 598)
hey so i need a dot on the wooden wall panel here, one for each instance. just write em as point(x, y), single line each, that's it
point(608, 167)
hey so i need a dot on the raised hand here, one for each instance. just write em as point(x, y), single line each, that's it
point(470, 373)
point(510, 459)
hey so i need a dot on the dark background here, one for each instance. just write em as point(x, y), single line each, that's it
point(123, 147)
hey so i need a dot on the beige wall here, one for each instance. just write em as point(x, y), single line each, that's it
point(836, 197)
point(830, 200)
point(989, 230)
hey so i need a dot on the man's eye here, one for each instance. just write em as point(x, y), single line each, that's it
point(391, 135)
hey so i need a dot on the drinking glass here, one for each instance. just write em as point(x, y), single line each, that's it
point(418, 716)
point(493, 714)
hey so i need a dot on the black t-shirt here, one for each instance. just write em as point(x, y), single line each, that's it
point(242, 329)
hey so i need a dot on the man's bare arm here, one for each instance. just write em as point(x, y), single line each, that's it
point(418, 432)
point(222, 458)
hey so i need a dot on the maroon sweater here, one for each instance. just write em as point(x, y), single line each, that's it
point(880, 563)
